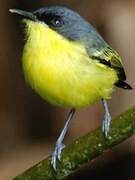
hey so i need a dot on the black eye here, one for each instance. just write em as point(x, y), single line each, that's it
point(57, 22)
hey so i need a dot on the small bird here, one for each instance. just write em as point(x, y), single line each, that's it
point(68, 63)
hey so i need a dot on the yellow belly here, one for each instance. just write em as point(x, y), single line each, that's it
point(61, 71)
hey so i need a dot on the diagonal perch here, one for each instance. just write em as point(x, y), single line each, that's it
point(84, 149)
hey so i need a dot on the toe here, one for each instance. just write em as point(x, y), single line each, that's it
point(56, 154)
point(53, 162)
point(61, 146)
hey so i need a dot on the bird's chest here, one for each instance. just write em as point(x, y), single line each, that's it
point(48, 58)
point(53, 67)
point(61, 71)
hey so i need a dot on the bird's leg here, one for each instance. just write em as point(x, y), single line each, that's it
point(107, 119)
point(59, 146)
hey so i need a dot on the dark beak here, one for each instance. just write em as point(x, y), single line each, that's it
point(25, 14)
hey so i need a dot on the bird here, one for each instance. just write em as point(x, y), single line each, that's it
point(67, 62)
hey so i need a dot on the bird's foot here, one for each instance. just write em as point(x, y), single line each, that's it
point(56, 154)
point(106, 123)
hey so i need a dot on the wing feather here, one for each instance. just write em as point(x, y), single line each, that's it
point(111, 58)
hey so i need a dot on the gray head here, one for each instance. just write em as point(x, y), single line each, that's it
point(63, 20)
point(68, 23)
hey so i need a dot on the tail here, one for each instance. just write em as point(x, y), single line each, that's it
point(123, 85)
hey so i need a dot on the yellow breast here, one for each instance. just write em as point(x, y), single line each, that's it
point(61, 72)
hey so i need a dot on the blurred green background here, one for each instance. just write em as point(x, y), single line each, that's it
point(29, 126)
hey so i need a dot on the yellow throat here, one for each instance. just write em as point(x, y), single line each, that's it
point(61, 72)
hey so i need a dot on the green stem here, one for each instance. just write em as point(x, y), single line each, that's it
point(84, 149)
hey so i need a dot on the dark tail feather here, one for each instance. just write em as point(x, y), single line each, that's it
point(123, 85)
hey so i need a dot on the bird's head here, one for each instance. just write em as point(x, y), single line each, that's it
point(64, 21)
point(67, 23)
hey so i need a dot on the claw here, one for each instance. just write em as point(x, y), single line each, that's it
point(62, 146)
point(53, 160)
point(56, 154)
